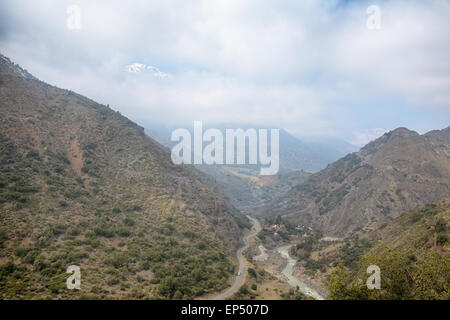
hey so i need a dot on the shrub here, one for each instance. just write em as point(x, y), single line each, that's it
point(124, 232)
point(243, 290)
point(33, 155)
point(73, 231)
point(442, 238)
point(3, 237)
point(104, 232)
point(7, 269)
point(252, 272)
point(116, 210)
point(21, 252)
point(63, 204)
point(113, 281)
point(441, 225)
point(128, 221)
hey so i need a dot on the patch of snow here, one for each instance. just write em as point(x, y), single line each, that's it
point(140, 67)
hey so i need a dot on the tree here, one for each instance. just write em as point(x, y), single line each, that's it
point(425, 277)
point(339, 281)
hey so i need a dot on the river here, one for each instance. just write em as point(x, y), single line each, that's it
point(293, 280)
point(287, 271)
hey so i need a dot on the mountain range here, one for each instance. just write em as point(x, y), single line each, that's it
point(392, 174)
point(242, 186)
point(310, 155)
point(80, 184)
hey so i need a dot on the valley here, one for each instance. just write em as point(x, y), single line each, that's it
point(81, 184)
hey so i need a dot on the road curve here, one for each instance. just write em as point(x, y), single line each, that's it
point(240, 278)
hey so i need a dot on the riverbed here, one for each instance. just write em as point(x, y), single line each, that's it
point(293, 280)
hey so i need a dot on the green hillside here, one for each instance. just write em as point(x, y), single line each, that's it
point(412, 253)
point(82, 185)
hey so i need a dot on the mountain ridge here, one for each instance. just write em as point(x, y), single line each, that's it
point(394, 173)
point(81, 184)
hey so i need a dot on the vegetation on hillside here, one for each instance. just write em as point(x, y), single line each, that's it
point(82, 185)
point(412, 254)
point(364, 190)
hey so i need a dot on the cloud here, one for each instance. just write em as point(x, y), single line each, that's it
point(407, 56)
point(362, 138)
point(311, 67)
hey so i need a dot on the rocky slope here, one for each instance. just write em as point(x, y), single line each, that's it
point(82, 185)
point(412, 253)
point(393, 174)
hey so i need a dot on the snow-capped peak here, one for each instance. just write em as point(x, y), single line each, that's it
point(140, 67)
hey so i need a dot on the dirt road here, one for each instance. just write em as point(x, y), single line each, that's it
point(242, 272)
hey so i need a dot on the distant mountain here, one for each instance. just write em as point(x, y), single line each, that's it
point(82, 185)
point(394, 173)
point(241, 185)
point(330, 149)
point(246, 191)
point(295, 154)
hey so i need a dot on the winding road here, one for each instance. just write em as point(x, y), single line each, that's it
point(240, 278)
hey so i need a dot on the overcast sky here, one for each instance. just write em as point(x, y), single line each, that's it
point(311, 67)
